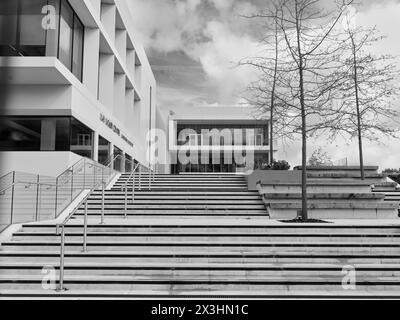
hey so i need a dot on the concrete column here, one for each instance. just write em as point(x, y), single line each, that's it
point(91, 60)
point(120, 43)
point(108, 18)
point(112, 154)
point(96, 146)
point(106, 80)
point(130, 61)
point(119, 96)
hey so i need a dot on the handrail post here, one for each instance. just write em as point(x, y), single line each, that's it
point(37, 198)
point(62, 253)
point(12, 199)
point(133, 186)
point(150, 178)
point(102, 201)
point(85, 227)
point(56, 200)
point(84, 173)
point(72, 183)
point(94, 179)
point(126, 201)
point(140, 177)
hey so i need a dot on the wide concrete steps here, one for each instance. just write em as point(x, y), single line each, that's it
point(222, 226)
point(188, 237)
point(187, 285)
point(52, 257)
point(203, 236)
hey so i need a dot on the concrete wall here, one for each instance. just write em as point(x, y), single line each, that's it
point(270, 176)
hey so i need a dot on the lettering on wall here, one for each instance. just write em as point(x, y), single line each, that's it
point(115, 129)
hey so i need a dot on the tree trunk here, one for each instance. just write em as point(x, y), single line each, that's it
point(271, 142)
point(360, 144)
point(304, 204)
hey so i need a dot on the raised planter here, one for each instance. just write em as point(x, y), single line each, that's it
point(270, 176)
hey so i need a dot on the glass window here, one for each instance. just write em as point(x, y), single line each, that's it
point(34, 134)
point(81, 139)
point(118, 160)
point(128, 163)
point(77, 60)
point(32, 38)
point(25, 34)
point(20, 134)
point(63, 126)
point(66, 35)
point(104, 150)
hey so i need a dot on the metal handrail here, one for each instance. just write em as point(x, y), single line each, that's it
point(84, 202)
point(27, 184)
point(125, 187)
point(111, 159)
point(61, 226)
point(7, 174)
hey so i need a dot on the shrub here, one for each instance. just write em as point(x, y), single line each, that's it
point(276, 165)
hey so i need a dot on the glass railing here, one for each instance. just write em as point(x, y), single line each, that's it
point(27, 197)
point(85, 174)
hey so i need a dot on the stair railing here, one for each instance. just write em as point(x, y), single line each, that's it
point(61, 226)
point(125, 188)
point(84, 202)
point(27, 185)
point(68, 180)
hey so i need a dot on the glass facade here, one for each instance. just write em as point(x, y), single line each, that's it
point(118, 161)
point(128, 163)
point(45, 134)
point(104, 150)
point(81, 139)
point(245, 135)
point(219, 135)
point(43, 28)
point(216, 162)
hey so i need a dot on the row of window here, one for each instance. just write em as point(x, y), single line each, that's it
point(203, 135)
point(43, 28)
point(56, 134)
point(216, 165)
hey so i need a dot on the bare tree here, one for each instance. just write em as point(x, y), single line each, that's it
point(262, 92)
point(303, 86)
point(368, 85)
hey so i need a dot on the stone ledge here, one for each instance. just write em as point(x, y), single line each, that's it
point(330, 205)
point(310, 196)
point(332, 168)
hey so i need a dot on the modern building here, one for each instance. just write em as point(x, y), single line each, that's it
point(78, 85)
point(213, 139)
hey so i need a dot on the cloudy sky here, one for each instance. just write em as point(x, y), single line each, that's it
point(193, 46)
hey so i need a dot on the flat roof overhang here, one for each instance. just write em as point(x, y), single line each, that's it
point(34, 71)
point(221, 148)
point(226, 120)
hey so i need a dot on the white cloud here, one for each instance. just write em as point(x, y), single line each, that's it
point(215, 43)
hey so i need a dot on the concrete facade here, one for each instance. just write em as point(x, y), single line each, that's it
point(116, 98)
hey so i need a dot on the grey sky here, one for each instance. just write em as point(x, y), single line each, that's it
point(193, 46)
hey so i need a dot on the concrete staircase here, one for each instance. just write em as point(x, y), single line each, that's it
point(333, 193)
point(201, 236)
